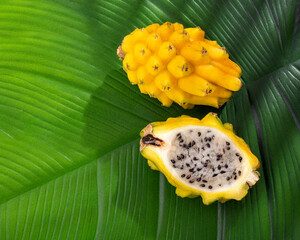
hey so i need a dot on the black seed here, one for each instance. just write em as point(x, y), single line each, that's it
point(209, 139)
point(191, 170)
point(195, 158)
point(208, 145)
point(239, 172)
point(188, 176)
point(201, 140)
point(183, 175)
point(173, 161)
point(207, 161)
point(184, 145)
point(182, 156)
point(220, 184)
point(210, 187)
point(199, 134)
point(198, 179)
point(219, 167)
point(187, 164)
point(181, 167)
point(205, 165)
point(191, 181)
point(240, 158)
point(237, 154)
point(219, 155)
point(222, 172)
point(215, 175)
point(205, 139)
point(218, 159)
point(178, 157)
point(178, 135)
point(235, 177)
point(174, 166)
point(226, 165)
point(202, 185)
point(228, 178)
point(228, 148)
point(223, 150)
point(190, 145)
point(204, 181)
point(208, 154)
point(199, 169)
point(193, 143)
point(181, 141)
point(208, 131)
point(203, 148)
point(213, 169)
point(234, 173)
point(228, 143)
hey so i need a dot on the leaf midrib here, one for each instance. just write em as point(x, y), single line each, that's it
point(266, 75)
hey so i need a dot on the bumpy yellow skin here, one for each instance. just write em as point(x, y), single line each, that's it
point(179, 65)
point(237, 192)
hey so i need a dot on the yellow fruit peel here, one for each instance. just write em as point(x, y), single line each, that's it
point(157, 140)
point(182, 60)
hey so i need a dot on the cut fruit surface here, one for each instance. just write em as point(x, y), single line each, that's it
point(200, 157)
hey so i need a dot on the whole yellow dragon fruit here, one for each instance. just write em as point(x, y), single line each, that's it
point(177, 64)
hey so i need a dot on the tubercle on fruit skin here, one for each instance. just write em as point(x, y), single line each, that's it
point(120, 53)
point(252, 178)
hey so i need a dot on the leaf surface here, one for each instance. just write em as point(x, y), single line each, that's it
point(70, 166)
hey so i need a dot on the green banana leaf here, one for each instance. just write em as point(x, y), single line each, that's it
point(70, 166)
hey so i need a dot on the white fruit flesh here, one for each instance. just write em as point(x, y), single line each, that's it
point(204, 158)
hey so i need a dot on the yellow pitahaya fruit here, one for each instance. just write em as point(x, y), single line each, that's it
point(177, 64)
point(200, 157)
